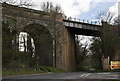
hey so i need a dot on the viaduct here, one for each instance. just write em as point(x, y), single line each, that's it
point(63, 31)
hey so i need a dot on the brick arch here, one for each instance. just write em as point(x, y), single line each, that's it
point(64, 39)
point(42, 23)
point(42, 40)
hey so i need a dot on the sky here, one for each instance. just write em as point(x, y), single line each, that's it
point(82, 9)
point(95, 8)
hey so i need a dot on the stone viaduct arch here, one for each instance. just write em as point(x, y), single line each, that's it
point(23, 17)
point(65, 38)
point(40, 33)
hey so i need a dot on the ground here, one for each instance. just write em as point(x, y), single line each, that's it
point(80, 76)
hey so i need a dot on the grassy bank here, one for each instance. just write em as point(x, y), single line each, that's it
point(20, 72)
point(41, 69)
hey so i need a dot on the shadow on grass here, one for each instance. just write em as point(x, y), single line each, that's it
point(41, 69)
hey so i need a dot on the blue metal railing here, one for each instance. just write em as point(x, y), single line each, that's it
point(82, 21)
point(82, 25)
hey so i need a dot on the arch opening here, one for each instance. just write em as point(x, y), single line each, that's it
point(40, 40)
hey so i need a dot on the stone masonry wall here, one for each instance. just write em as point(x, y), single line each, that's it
point(21, 17)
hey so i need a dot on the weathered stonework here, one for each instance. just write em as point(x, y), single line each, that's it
point(23, 17)
point(65, 39)
point(116, 56)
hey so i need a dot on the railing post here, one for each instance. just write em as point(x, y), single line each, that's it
point(74, 19)
point(99, 23)
point(83, 20)
point(95, 23)
point(69, 24)
point(87, 21)
point(91, 22)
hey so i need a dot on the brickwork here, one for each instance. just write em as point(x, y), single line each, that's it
point(23, 17)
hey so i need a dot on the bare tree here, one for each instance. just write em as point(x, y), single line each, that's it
point(106, 16)
point(117, 21)
point(20, 3)
point(109, 17)
point(49, 7)
point(81, 52)
point(53, 11)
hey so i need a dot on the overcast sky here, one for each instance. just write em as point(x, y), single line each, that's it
point(83, 9)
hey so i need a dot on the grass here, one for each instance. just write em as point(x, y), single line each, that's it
point(41, 69)
point(51, 69)
point(12, 72)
